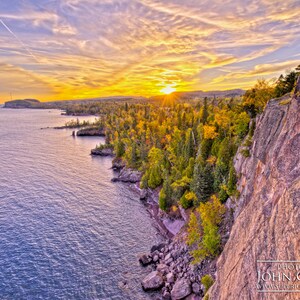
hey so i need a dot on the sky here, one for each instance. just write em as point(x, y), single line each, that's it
point(71, 49)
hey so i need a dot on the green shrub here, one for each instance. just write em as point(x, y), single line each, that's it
point(223, 196)
point(207, 281)
point(207, 240)
point(187, 200)
point(162, 201)
point(232, 180)
point(206, 297)
point(248, 142)
point(245, 152)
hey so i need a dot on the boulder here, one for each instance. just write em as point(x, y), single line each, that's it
point(170, 277)
point(155, 258)
point(196, 288)
point(193, 297)
point(181, 289)
point(162, 268)
point(153, 281)
point(175, 254)
point(145, 260)
point(169, 261)
point(168, 256)
point(166, 295)
point(156, 252)
point(157, 247)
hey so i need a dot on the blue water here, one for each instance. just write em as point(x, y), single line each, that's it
point(66, 231)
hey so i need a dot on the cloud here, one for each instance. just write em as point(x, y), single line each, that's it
point(266, 69)
point(248, 77)
point(91, 47)
point(22, 83)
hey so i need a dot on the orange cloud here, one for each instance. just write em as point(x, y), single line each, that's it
point(90, 48)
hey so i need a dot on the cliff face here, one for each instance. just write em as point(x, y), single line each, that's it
point(267, 216)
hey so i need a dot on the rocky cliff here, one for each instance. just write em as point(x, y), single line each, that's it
point(267, 214)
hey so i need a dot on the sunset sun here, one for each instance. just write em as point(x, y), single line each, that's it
point(168, 90)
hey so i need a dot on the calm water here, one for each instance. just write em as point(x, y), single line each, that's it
point(66, 231)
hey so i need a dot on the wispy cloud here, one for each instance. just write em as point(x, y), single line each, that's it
point(80, 48)
point(21, 43)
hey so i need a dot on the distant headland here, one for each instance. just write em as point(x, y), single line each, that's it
point(25, 103)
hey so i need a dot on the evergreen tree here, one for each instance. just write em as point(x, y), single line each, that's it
point(133, 155)
point(119, 148)
point(202, 182)
point(165, 195)
point(205, 111)
point(205, 148)
point(225, 154)
point(285, 84)
point(155, 178)
point(189, 145)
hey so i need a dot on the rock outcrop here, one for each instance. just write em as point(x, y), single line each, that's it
point(128, 175)
point(90, 131)
point(267, 214)
point(118, 164)
point(102, 151)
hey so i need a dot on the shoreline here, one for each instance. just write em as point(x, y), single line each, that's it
point(172, 274)
point(166, 225)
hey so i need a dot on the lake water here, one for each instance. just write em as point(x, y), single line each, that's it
point(66, 231)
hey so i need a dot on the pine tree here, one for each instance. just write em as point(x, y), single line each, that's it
point(133, 156)
point(189, 145)
point(225, 155)
point(165, 195)
point(205, 148)
point(205, 111)
point(202, 182)
point(162, 200)
point(120, 148)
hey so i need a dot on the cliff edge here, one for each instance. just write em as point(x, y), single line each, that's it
point(267, 215)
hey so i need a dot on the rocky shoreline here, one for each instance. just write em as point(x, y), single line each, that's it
point(172, 273)
point(166, 225)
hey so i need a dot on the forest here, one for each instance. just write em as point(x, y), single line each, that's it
point(186, 149)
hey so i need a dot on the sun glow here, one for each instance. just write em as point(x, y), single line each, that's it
point(168, 90)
